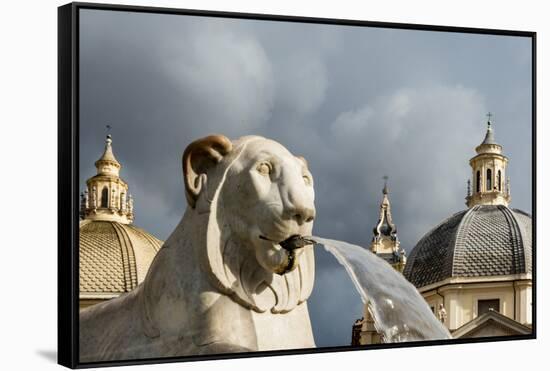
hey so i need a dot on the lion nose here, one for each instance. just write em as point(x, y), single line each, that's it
point(302, 214)
point(305, 214)
point(297, 204)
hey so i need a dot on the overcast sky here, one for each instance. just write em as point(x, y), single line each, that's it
point(358, 103)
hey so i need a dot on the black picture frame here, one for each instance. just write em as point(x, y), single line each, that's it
point(68, 180)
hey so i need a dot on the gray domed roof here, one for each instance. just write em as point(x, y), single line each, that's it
point(486, 240)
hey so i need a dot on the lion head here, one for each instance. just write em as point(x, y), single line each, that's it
point(253, 194)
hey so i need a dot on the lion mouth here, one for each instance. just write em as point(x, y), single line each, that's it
point(293, 242)
point(290, 245)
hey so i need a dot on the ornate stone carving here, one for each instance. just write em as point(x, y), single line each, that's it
point(442, 313)
point(94, 197)
point(123, 202)
point(110, 203)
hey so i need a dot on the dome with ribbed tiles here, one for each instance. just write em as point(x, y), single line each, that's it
point(486, 240)
point(114, 258)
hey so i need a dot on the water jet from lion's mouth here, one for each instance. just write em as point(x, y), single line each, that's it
point(400, 313)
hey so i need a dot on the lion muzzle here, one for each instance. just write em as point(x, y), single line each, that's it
point(290, 245)
point(295, 242)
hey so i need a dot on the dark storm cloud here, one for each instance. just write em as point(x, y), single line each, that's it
point(358, 103)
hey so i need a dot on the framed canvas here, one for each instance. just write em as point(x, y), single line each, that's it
point(241, 185)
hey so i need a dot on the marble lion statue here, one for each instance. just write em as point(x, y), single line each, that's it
point(223, 281)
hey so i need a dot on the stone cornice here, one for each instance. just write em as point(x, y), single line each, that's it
point(456, 282)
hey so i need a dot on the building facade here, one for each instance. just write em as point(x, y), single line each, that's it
point(114, 254)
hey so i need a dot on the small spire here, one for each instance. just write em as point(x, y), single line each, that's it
point(385, 225)
point(489, 136)
point(108, 152)
point(107, 163)
point(108, 139)
point(385, 189)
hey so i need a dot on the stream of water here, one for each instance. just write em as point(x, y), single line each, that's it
point(400, 313)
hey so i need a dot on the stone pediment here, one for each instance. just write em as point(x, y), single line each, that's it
point(491, 324)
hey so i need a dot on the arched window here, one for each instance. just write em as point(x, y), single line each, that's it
point(499, 180)
point(478, 182)
point(104, 197)
point(489, 178)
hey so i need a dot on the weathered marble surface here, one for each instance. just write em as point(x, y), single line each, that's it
point(216, 286)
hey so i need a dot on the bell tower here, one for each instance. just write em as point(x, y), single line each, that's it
point(385, 245)
point(384, 241)
point(489, 184)
point(106, 195)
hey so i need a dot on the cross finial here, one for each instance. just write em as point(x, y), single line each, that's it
point(108, 140)
point(489, 115)
point(385, 190)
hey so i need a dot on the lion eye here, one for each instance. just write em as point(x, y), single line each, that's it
point(307, 180)
point(265, 168)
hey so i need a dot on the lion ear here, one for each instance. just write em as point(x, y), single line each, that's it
point(303, 160)
point(200, 156)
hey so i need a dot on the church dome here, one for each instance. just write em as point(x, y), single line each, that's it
point(485, 240)
point(114, 258)
point(488, 239)
point(115, 255)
